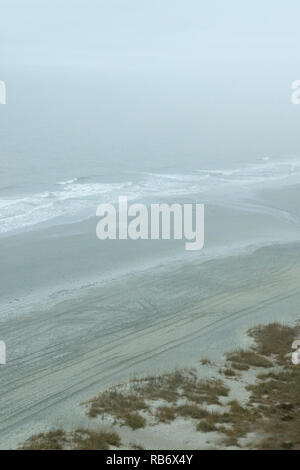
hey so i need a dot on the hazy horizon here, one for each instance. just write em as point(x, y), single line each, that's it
point(171, 82)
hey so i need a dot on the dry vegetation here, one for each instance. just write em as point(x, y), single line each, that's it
point(53, 440)
point(243, 360)
point(81, 439)
point(274, 340)
point(273, 410)
point(206, 362)
point(271, 414)
point(125, 407)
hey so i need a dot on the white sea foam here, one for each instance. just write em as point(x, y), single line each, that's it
point(77, 198)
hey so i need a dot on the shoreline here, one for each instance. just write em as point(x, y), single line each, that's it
point(69, 291)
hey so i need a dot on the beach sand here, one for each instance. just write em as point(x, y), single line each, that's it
point(64, 353)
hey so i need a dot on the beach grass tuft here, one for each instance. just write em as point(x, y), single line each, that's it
point(81, 439)
point(274, 339)
point(53, 440)
point(242, 358)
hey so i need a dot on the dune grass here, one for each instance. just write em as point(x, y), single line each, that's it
point(248, 359)
point(94, 440)
point(125, 406)
point(277, 397)
point(81, 439)
point(53, 440)
point(273, 409)
point(274, 339)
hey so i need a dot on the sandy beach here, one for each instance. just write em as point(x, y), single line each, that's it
point(63, 353)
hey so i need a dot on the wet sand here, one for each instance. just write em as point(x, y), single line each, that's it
point(63, 353)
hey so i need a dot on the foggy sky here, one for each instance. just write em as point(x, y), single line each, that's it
point(185, 77)
point(115, 31)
